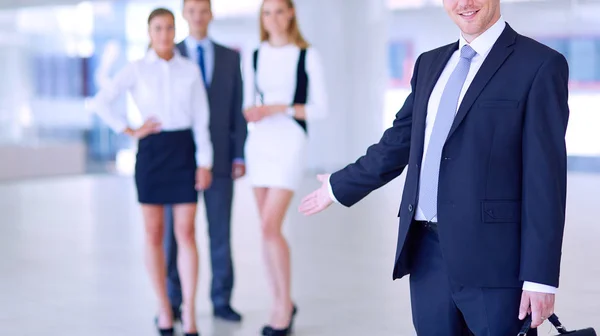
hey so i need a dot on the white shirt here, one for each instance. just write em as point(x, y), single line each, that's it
point(172, 92)
point(482, 45)
point(276, 78)
point(208, 46)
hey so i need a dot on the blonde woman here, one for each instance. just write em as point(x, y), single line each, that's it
point(285, 90)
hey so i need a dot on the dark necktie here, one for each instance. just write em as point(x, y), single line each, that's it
point(201, 64)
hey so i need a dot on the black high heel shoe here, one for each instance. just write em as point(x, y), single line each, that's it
point(166, 332)
point(196, 333)
point(270, 331)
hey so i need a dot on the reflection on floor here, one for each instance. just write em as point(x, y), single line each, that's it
point(72, 263)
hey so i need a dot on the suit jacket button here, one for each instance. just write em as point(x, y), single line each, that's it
point(410, 207)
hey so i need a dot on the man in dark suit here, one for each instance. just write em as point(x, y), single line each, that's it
point(482, 213)
point(220, 68)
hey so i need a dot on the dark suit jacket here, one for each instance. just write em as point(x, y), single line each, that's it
point(502, 185)
point(228, 128)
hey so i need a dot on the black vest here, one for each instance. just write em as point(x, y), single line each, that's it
point(301, 94)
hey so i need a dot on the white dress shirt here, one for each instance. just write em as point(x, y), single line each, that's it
point(482, 45)
point(191, 44)
point(172, 92)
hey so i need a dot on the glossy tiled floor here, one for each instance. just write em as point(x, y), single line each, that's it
point(71, 263)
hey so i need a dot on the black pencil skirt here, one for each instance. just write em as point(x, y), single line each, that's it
point(165, 168)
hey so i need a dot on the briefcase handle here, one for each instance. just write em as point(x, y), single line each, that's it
point(553, 319)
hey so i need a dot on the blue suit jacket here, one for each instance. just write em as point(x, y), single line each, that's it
point(228, 128)
point(502, 184)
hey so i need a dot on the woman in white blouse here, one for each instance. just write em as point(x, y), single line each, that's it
point(285, 90)
point(174, 156)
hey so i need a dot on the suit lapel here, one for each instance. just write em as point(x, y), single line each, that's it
point(182, 49)
point(498, 54)
point(437, 67)
point(218, 68)
point(217, 63)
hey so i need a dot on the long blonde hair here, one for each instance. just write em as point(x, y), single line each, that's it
point(293, 31)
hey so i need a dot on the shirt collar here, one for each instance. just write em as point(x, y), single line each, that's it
point(484, 42)
point(192, 43)
point(152, 57)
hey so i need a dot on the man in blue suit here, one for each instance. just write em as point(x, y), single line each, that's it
point(483, 209)
point(220, 68)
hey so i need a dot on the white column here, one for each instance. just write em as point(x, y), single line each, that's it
point(15, 89)
point(351, 36)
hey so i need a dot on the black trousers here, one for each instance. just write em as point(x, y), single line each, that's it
point(441, 307)
point(218, 200)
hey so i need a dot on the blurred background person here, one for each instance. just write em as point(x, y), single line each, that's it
point(284, 88)
point(221, 75)
point(174, 157)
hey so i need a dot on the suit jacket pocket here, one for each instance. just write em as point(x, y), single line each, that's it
point(501, 211)
point(504, 104)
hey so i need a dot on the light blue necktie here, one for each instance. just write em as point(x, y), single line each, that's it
point(428, 190)
point(201, 64)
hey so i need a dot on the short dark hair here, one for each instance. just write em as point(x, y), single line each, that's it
point(209, 2)
point(160, 12)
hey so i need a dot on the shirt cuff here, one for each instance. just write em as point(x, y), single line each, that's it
point(331, 191)
point(239, 160)
point(535, 287)
point(204, 161)
point(116, 126)
point(121, 130)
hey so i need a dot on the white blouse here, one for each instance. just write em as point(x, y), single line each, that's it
point(172, 92)
point(276, 77)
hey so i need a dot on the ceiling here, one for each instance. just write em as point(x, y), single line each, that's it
point(220, 7)
point(246, 3)
point(26, 3)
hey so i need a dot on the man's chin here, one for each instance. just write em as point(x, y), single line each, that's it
point(471, 29)
point(199, 29)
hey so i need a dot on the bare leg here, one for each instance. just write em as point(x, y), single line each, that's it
point(261, 196)
point(155, 261)
point(277, 254)
point(187, 261)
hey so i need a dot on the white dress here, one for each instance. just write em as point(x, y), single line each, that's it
point(276, 145)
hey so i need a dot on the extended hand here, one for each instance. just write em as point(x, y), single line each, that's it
point(318, 200)
point(203, 178)
point(540, 305)
point(238, 170)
